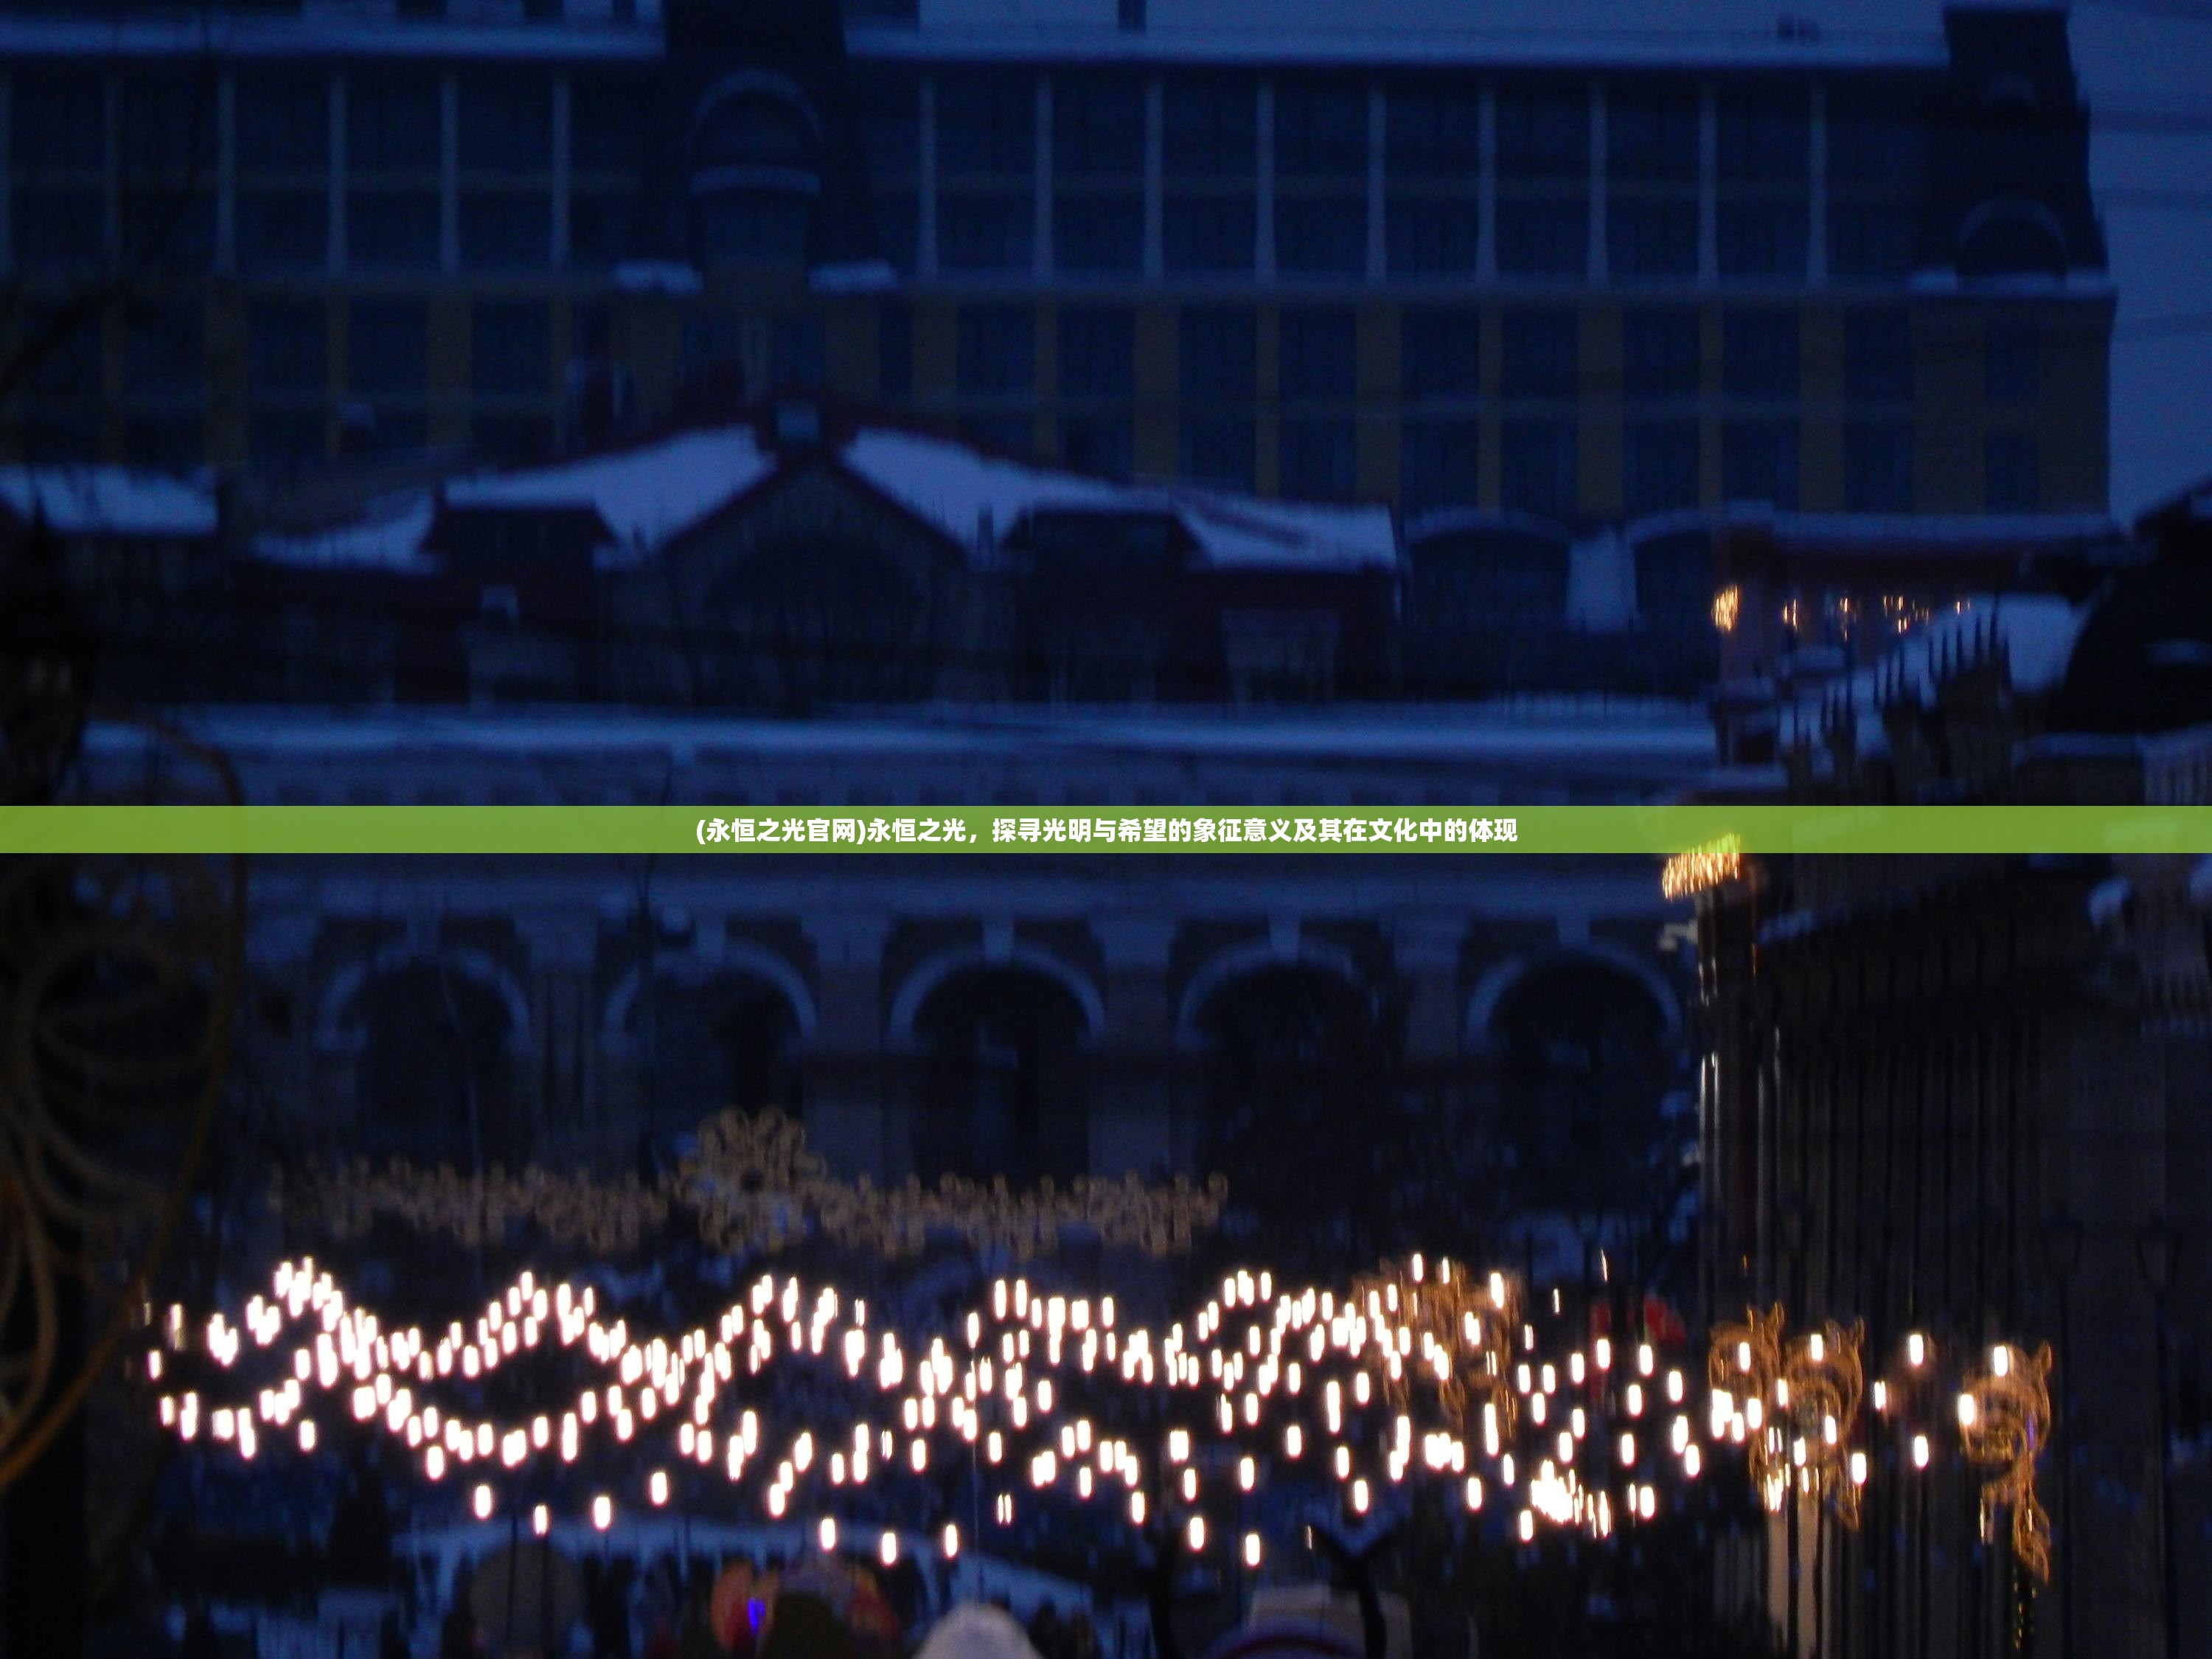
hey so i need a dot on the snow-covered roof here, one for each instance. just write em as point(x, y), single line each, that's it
point(976, 500)
point(386, 536)
point(2034, 633)
point(109, 501)
point(588, 30)
point(652, 493)
point(644, 495)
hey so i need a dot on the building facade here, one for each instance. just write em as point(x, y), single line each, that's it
point(1964, 1098)
point(1508, 278)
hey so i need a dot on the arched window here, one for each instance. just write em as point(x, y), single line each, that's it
point(1584, 1063)
point(434, 1081)
point(2012, 239)
point(1298, 1103)
point(755, 172)
point(1003, 1083)
point(709, 1043)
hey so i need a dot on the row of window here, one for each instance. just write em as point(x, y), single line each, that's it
point(282, 120)
point(1761, 354)
point(1214, 234)
point(1323, 127)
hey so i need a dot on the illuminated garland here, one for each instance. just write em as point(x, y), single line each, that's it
point(754, 1186)
point(1415, 1377)
point(1702, 868)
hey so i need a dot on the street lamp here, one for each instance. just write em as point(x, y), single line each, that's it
point(2061, 1256)
point(2158, 1256)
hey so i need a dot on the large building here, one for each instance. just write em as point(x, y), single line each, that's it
point(1513, 270)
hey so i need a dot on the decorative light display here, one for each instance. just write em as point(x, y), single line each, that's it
point(1426, 1374)
point(755, 1187)
point(1702, 868)
point(2004, 1422)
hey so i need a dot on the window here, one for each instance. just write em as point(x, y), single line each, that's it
point(284, 347)
point(1440, 353)
point(894, 350)
point(1877, 466)
point(282, 230)
point(1872, 240)
point(1888, 149)
point(1759, 355)
point(986, 233)
point(1763, 142)
point(606, 126)
point(1217, 450)
point(388, 346)
point(1537, 467)
point(1660, 354)
point(1660, 465)
point(60, 227)
point(1321, 238)
point(1321, 130)
point(392, 231)
point(58, 120)
point(169, 125)
point(164, 226)
point(1759, 463)
point(506, 231)
point(1211, 129)
point(997, 352)
point(1316, 460)
point(1543, 133)
point(599, 229)
point(1432, 134)
point(1208, 235)
point(1543, 239)
point(2012, 373)
point(166, 349)
point(799, 353)
point(1762, 239)
point(1098, 353)
point(898, 230)
point(1652, 135)
point(391, 123)
point(507, 123)
point(985, 123)
point(1098, 236)
point(2009, 473)
point(1319, 353)
point(1218, 348)
point(1877, 357)
point(1098, 127)
point(1537, 357)
point(512, 349)
point(283, 121)
point(1100, 445)
point(1428, 238)
point(1652, 239)
point(1437, 464)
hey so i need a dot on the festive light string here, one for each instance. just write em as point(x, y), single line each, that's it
point(754, 1186)
point(1419, 1375)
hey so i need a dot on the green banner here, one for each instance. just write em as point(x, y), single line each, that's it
point(1709, 835)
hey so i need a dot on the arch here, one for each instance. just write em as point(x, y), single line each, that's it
point(734, 958)
point(746, 85)
point(1240, 962)
point(333, 1024)
point(1498, 982)
point(2011, 236)
point(933, 970)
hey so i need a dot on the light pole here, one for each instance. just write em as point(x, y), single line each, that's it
point(2157, 1255)
point(2062, 1255)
